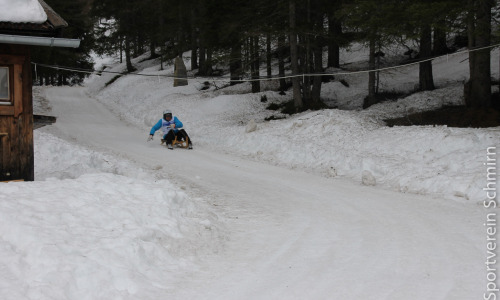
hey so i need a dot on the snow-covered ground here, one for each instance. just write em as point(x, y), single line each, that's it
point(441, 161)
point(22, 11)
point(282, 212)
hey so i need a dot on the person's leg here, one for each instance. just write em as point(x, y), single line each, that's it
point(180, 136)
point(185, 135)
point(169, 137)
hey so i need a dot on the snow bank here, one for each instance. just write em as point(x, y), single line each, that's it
point(71, 163)
point(95, 237)
point(96, 227)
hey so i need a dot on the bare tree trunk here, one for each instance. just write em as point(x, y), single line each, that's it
point(471, 41)
point(478, 89)
point(306, 57)
point(208, 62)
point(140, 45)
point(161, 58)
point(281, 62)
point(426, 79)
point(318, 68)
point(371, 63)
point(202, 40)
point(471, 28)
point(297, 97)
point(194, 57)
point(318, 43)
point(377, 66)
point(159, 38)
point(235, 63)
point(121, 49)
point(247, 52)
point(334, 33)
point(130, 68)
point(481, 86)
point(370, 99)
point(202, 59)
point(302, 63)
point(268, 55)
point(152, 50)
point(180, 33)
point(194, 41)
point(255, 63)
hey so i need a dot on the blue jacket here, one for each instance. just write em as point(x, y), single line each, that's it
point(165, 125)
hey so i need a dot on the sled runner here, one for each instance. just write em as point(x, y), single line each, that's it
point(181, 143)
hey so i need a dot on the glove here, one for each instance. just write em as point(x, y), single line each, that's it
point(150, 138)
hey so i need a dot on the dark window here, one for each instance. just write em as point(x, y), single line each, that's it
point(4, 85)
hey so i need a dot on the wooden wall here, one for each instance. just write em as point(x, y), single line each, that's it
point(16, 120)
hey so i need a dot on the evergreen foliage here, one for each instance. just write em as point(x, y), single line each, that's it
point(245, 35)
point(80, 27)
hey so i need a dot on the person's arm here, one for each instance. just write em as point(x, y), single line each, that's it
point(155, 128)
point(178, 124)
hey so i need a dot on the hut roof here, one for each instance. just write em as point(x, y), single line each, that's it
point(51, 27)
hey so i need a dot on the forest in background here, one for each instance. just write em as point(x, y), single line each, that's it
point(250, 36)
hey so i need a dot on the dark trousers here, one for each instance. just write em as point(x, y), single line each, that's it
point(181, 135)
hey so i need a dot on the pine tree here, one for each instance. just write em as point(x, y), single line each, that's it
point(335, 38)
point(297, 97)
point(375, 22)
point(478, 88)
point(79, 27)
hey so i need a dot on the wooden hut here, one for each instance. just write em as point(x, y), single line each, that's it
point(16, 104)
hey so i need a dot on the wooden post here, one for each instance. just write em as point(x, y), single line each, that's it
point(180, 72)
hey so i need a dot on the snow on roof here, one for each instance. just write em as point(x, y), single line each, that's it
point(22, 11)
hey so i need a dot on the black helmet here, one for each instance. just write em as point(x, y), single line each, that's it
point(167, 113)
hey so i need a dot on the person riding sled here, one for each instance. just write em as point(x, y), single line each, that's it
point(172, 129)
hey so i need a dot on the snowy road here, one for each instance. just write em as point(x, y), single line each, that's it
point(294, 235)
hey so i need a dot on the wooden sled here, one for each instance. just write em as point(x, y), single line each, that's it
point(181, 144)
point(178, 143)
